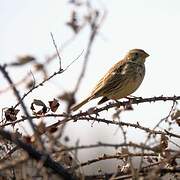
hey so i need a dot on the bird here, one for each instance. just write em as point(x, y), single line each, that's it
point(122, 79)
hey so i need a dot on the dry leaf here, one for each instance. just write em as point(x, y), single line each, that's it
point(38, 102)
point(53, 130)
point(21, 60)
point(41, 128)
point(175, 114)
point(25, 59)
point(164, 142)
point(178, 122)
point(54, 105)
point(11, 114)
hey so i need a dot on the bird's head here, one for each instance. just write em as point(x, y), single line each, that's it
point(137, 55)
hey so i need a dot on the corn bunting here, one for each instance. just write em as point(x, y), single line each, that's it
point(121, 80)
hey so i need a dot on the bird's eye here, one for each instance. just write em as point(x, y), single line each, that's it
point(135, 56)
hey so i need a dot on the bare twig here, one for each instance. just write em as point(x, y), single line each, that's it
point(94, 31)
point(57, 51)
point(45, 80)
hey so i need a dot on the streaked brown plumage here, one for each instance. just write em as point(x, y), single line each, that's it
point(121, 80)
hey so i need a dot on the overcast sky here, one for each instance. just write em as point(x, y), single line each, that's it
point(153, 25)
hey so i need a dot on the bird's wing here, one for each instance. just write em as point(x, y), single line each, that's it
point(109, 81)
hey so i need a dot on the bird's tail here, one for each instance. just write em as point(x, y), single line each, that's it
point(76, 107)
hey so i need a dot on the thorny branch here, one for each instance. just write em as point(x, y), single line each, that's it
point(157, 125)
point(37, 155)
point(159, 157)
point(16, 92)
point(86, 115)
point(116, 156)
point(115, 146)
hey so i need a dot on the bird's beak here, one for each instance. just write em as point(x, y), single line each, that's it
point(146, 55)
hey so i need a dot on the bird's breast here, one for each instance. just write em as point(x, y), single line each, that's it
point(133, 77)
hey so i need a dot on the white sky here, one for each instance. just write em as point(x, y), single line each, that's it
point(153, 25)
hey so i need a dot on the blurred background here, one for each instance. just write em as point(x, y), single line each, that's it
point(150, 25)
